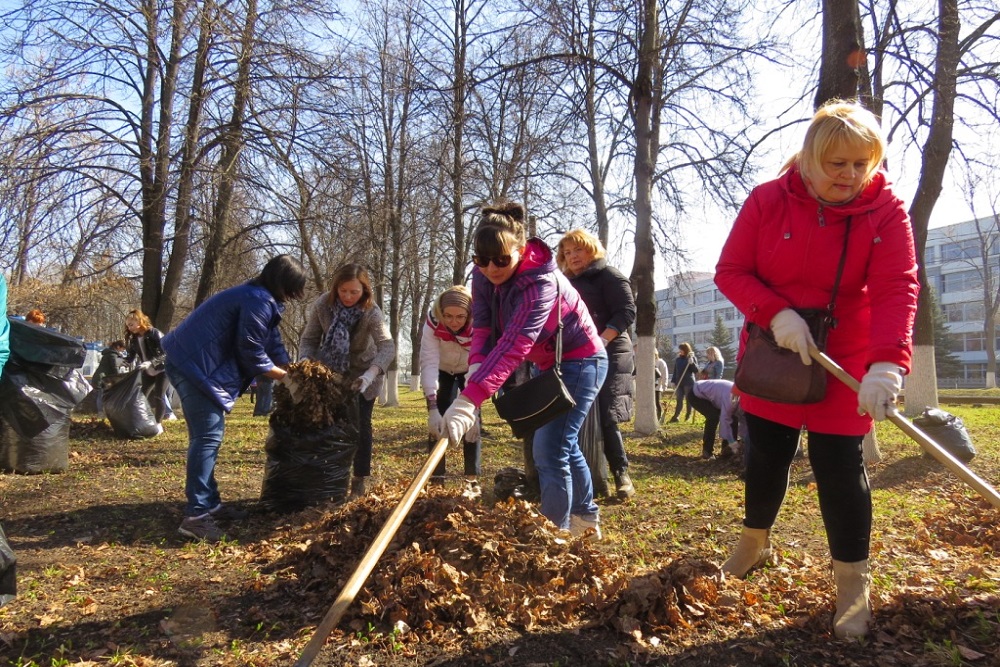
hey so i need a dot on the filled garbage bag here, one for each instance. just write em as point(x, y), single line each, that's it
point(948, 431)
point(35, 409)
point(305, 467)
point(8, 570)
point(46, 349)
point(128, 409)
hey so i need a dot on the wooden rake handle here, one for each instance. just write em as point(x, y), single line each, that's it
point(375, 551)
point(980, 485)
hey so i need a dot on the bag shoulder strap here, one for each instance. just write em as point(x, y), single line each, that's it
point(840, 270)
point(559, 324)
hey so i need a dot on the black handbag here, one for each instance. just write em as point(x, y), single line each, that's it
point(534, 403)
point(769, 371)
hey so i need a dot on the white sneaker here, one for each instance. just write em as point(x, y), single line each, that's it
point(171, 417)
point(578, 526)
point(472, 489)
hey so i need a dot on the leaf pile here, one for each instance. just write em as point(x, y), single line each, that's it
point(971, 523)
point(327, 398)
point(460, 565)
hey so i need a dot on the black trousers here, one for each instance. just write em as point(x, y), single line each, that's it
point(705, 407)
point(845, 497)
point(449, 387)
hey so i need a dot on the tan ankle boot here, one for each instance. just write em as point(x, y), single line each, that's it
point(753, 550)
point(853, 608)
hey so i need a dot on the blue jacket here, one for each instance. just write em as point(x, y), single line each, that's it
point(4, 324)
point(227, 341)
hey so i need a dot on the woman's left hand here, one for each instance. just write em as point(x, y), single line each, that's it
point(365, 380)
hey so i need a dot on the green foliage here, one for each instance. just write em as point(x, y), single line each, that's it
point(723, 339)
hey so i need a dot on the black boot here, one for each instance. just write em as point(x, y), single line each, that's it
point(706, 452)
point(623, 483)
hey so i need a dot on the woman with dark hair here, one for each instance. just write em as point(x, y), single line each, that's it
point(144, 348)
point(346, 331)
point(518, 299)
point(212, 356)
point(608, 296)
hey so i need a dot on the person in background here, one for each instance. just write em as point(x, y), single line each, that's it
point(714, 365)
point(608, 297)
point(113, 363)
point(4, 324)
point(444, 361)
point(515, 318)
point(145, 350)
point(661, 379)
point(685, 371)
point(212, 356)
point(35, 316)
point(783, 253)
point(346, 331)
point(714, 399)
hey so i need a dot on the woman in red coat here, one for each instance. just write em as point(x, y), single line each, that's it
point(783, 253)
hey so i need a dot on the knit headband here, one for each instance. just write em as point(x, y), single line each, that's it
point(455, 298)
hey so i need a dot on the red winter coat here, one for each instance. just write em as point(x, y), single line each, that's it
point(783, 252)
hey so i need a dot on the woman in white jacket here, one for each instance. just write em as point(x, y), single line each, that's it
point(444, 362)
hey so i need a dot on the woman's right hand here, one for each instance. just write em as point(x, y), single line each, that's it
point(792, 333)
point(435, 422)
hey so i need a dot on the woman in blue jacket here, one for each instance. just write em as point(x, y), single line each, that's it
point(212, 356)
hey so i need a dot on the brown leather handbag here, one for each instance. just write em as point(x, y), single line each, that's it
point(774, 373)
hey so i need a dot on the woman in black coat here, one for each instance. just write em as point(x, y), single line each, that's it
point(608, 296)
point(685, 372)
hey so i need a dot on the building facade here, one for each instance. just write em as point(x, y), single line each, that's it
point(960, 260)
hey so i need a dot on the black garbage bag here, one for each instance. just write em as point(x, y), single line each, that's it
point(948, 431)
point(35, 409)
point(8, 570)
point(128, 409)
point(510, 482)
point(45, 349)
point(307, 467)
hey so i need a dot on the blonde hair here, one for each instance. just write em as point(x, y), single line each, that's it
point(582, 238)
point(714, 353)
point(839, 123)
point(141, 318)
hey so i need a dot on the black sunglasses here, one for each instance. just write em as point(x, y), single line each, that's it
point(501, 262)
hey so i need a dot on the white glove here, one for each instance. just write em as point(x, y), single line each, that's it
point(459, 419)
point(435, 423)
point(362, 383)
point(472, 435)
point(293, 387)
point(792, 333)
point(879, 388)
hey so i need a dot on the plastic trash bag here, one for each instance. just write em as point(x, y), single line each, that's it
point(510, 482)
point(306, 467)
point(48, 350)
point(948, 431)
point(128, 409)
point(35, 417)
point(8, 570)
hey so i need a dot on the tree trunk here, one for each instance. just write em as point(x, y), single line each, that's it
point(647, 146)
point(921, 388)
point(843, 53)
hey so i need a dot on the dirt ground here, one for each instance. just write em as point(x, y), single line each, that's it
point(104, 578)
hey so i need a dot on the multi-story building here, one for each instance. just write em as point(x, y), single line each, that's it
point(954, 260)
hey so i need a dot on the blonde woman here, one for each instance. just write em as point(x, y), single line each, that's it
point(608, 297)
point(831, 201)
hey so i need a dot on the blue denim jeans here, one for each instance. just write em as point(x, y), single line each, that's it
point(206, 424)
point(563, 474)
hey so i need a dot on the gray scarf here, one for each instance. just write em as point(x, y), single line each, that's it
point(335, 350)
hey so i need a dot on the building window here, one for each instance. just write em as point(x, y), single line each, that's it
point(929, 255)
point(961, 281)
point(701, 298)
point(726, 314)
point(682, 320)
point(960, 250)
point(702, 338)
point(973, 342)
point(963, 312)
point(703, 317)
point(975, 371)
